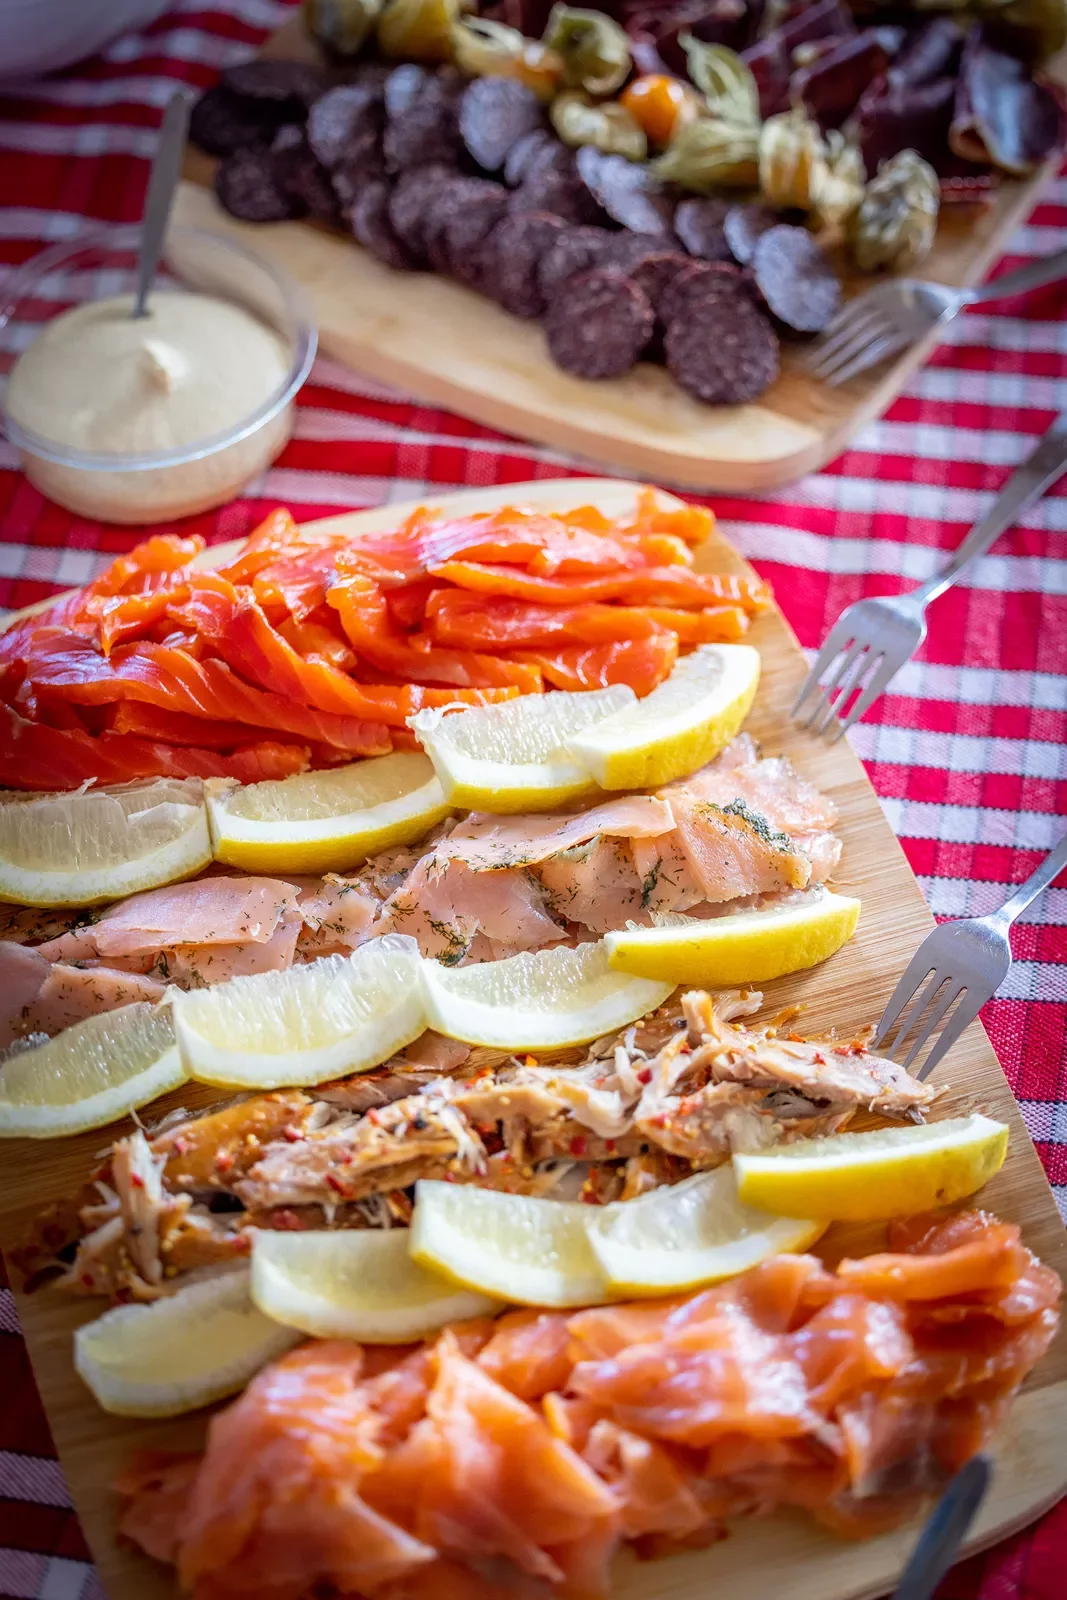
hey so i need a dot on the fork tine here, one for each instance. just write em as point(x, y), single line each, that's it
point(850, 343)
point(884, 673)
point(870, 357)
point(847, 682)
point(961, 1018)
point(915, 973)
point(914, 1012)
point(953, 991)
point(842, 333)
point(839, 636)
point(822, 701)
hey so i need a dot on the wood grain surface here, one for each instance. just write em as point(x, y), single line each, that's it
point(441, 342)
point(785, 1552)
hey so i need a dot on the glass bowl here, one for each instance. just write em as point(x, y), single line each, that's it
point(175, 483)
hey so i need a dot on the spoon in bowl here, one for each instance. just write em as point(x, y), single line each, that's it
point(162, 182)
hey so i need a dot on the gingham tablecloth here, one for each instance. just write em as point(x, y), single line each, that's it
point(968, 754)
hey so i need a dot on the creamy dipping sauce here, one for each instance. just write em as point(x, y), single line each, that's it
point(97, 380)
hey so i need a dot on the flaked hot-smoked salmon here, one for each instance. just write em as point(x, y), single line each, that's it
point(444, 1472)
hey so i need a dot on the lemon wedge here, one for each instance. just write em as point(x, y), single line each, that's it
point(509, 1246)
point(356, 1285)
point(181, 1352)
point(511, 757)
point(747, 947)
point(277, 1030)
point(93, 1073)
point(889, 1172)
point(326, 821)
point(696, 1232)
point(101, 844)
point(674, 730)
point(539, 1000)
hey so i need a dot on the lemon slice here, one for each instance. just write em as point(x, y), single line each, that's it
point(511, 757)
point(699, 1231)
point(92, 1073)
point(181, 1352)
point(748, 947)
point(334, 1016)
point(674, 730)
point(539, 1000)
point(889, 1172)
point(101, 844)
point(349, 1285)
point(511, 1246)
point(326, 821)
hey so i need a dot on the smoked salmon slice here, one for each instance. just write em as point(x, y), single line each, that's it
point(451, 1472)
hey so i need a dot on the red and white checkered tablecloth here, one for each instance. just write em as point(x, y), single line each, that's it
point(968, 754)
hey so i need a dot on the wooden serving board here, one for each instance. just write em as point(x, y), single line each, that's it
point(786, 1552)
point(441, 342)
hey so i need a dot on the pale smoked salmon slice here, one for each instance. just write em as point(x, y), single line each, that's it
point(490, 844)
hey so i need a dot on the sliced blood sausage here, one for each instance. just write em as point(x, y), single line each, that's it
point(467, 230)
point(403, 87)
point(341, 118)
point(656, 272)
point(576, 250)
point(744, 226)
point(248, 187)
point(494, 114)
point(371, 225)
point(290, 84)
point(520, 242)
point(523, 152)
point(449, 201)
point(411, 200)
point(723, 352)
point(627, 191)
point(697, 283)
point(303, 178)
point(599, 326)
point(796, 280)
point(426, 131)
point(221, 123)
point(698, 222)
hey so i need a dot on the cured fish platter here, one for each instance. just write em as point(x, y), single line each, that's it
point(844, 993)
point(436, 338)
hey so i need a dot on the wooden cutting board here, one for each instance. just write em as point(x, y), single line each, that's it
point(436, 340)
point(759, 1558)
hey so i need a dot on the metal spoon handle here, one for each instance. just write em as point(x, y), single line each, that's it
point(162, 182)
point(945, 1531)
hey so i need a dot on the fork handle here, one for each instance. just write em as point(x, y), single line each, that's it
point(1027, 483)
point(1038, 881)
point(1046, 269)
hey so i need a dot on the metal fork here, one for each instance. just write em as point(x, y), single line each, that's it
point(945, 1531)
point(875, 325)
point(964, 961)
point(877, 635)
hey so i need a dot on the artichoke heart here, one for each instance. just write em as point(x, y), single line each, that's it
point(418, 30)
point(607, 125)
point(482, 48)
point(792, 160)
point(594, 50)
point(839, 186)
point(341, 27)
point(725, 81)
point(897, 217)
point(708, 153)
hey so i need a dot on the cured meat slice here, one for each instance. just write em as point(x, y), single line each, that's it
point(494, 114)
point(302, 176)
point(341, 117)
point(700, 224)
point(520, 242)
point(523, 154)
point(292, 85)
point(795, 279)
point(372, 228)
point(221, 123)
point(489, 843)
point(725, 352)
point(599, 326)
point(410, 203)
point(697, 284)
point(576, 250)
point(248, 186)
point(655, 273)
point(744, 226)
point(630, 194)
